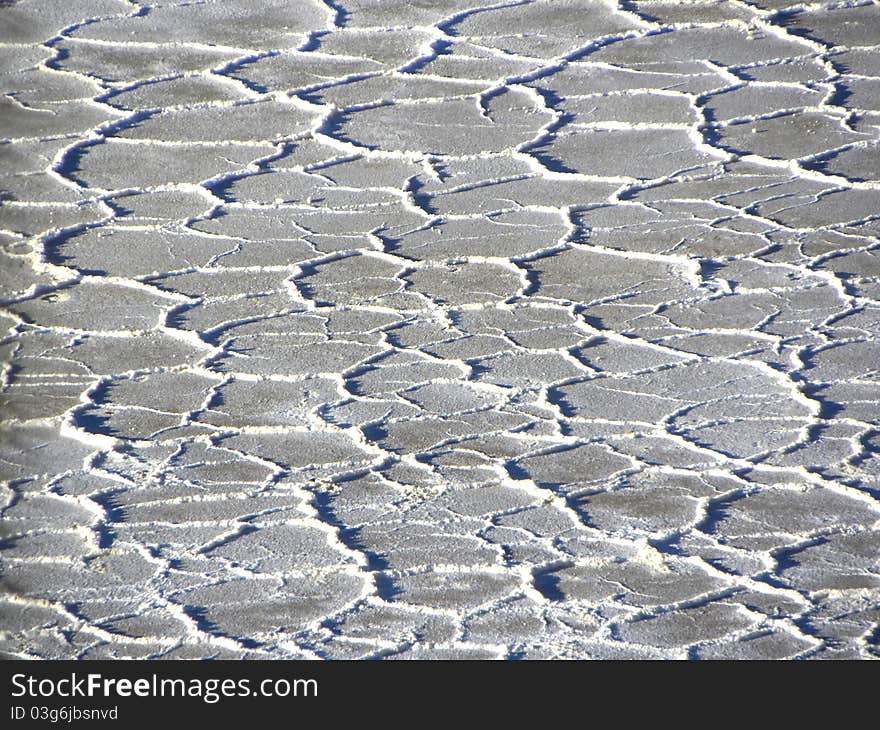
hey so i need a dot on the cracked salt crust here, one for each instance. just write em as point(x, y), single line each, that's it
point(387, 330)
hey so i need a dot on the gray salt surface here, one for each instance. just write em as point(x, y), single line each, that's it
point(360, 329)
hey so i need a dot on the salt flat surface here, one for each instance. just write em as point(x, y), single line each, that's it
point(356, 329)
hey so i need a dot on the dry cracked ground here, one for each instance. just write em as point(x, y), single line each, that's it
point(360, 329)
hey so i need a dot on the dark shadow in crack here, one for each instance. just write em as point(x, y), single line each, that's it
point(548, 584)
point(100, 394)
point(439, 47)
point(386, 587)
point(327, 412)
point(375, 561)
point(580, 352)
point(69, 165)
point(541, 153)
point(114, 511)
point(710, 117)
point(827, 408)
point(63, 54)
point(711, 135)
point(668, 545)
point(785, 556)
point(348, 536)
point(91, 421)
point(307, 290)
point(175, 317)
point(106, 535)
point(533, 277)
point(709, 269)
point(199, 615)
point(580, 505)
point(120, 210)
point(790, 20)
point(716, 513)
point(520, 473)
point(222, 188)
point(52, 247)
point(840, 96)
point(827, 164)
point(374, 432)
point(553, 100)
point(343, 14)
point(872, 639)
point(8, 540)
point(422, 200)
point(479, 369)
point(235, 71)
point(333, 125)
point(556, 397)
point(592, 320)
point(392, 244)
